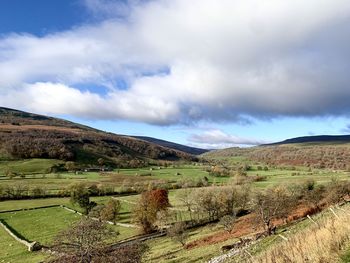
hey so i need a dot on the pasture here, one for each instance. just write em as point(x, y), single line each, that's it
point(43, 224)
point(12, 252)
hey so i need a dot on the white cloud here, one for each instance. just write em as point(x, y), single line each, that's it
point(225, 59)
point(217, 139)
point(60, 99)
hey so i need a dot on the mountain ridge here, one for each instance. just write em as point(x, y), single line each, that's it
point(312, 139)
point(29, 135)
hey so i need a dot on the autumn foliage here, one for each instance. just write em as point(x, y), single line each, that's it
point(151, 202)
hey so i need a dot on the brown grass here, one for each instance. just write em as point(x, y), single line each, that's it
point(319, 243)
point(247, 225)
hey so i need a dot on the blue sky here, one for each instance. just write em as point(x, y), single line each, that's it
point(204, 73)
point(41, 17)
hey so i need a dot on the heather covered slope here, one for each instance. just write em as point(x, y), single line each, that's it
point(326, 154)
point(317, 139)
point(26, 135)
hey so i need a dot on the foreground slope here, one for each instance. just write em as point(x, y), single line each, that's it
point(27, 135)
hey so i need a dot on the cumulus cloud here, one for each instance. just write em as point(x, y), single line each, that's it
point(217, 139)
point(185, 61)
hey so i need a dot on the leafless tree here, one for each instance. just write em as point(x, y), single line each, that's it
point(178, 233)
point(227, 222)
point(84, 242)
point(273, 203)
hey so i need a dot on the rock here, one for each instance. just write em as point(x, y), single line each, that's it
point(34, 246)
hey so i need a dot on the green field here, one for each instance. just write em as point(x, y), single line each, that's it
point(40, 225)
point(43, 224)
point(166, 250)
point(173, 175)
point(28, 166)
point(13, 252)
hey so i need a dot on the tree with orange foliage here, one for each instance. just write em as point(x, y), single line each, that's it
point(151, 202)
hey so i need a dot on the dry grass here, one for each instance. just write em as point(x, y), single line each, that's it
point(320, 243)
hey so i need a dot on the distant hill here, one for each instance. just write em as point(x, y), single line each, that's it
point(172, 145)
point(28, 135)
point(324, 151)
point(315, 139)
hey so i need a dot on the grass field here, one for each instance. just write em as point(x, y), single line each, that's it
point(13, 252)
point(166, 250)
point(40, 225)
point(53, 183)
point(43, 224)
point(28, 166)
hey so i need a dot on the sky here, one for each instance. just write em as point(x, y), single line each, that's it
point(205, 73)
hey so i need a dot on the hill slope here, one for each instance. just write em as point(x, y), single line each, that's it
point(324, 151)
point(27, 135)
point(172, 145)
point(316, 139)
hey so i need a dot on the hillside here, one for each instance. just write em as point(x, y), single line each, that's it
point(27, 135)
point(332, 152)
point(322, 139)
point(172, 145)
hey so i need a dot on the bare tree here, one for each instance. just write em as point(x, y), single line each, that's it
point(83, 242)
point(227, 222)
point(178, 233)
point(86, 242)
point(273, 203)
point(187, 198)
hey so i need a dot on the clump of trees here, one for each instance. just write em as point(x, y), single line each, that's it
point(215, 202)
point(21, 191)
point(150, 203)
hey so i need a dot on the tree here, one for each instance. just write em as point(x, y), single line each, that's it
point(87, 242)
point(70, 166)
point(227, 222)
point(101, 162)
point(273, 203)
point(337, 191)
point(125, 254)
point(187, 198)
point(151, 202)
point(313, 194)
point(208, 202)
point(96, 211)
point(111, 210)
point(79, 194)
point(84, 242)
point(10, 174)
point(178, 233)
